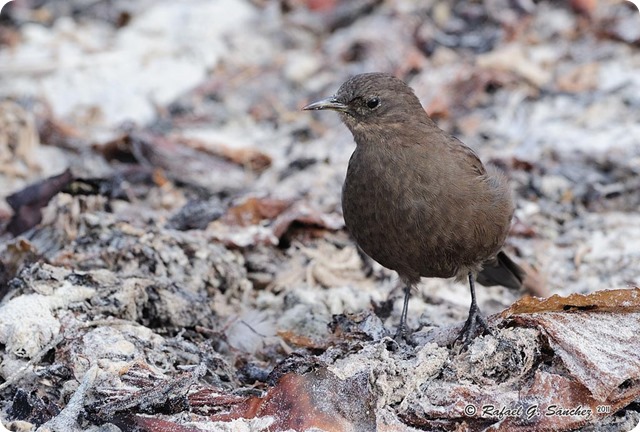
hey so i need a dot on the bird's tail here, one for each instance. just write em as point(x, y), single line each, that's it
point(501, 271)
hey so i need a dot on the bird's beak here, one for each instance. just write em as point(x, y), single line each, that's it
point(329, 103)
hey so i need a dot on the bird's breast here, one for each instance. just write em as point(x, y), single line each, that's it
point(389, 216)
point(419, 218)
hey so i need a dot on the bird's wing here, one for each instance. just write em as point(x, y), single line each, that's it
point(465, 155)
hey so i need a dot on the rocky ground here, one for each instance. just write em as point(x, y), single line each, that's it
point(172, 251)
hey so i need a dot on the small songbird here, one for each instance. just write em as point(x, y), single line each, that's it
point(416, 199)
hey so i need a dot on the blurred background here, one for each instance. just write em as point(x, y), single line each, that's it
point(208, 93)
point(154, 153)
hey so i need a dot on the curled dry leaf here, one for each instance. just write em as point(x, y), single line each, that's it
point(304, 214)
point(251, 158)
point(55, 132)
point(267, 220)
point(253, 210)
point(243, 155)
point(28, 202)
point(293, 338)
point(181, 162)
point(614, 301)
point(318, 399)
point(595, 336)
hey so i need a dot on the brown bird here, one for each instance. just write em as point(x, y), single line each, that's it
point(416, 199)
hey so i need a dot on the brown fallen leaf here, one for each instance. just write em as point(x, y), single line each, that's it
point(475, 88)
point(615, 301)
point(600, 349)
point(209, 400)
point(304, 214)
point(584, 7)
point(318, 399)
point(597, 338)
point(180, 161)
point(267, 220)
point(522, 164)
point(253, 210)
point(9, 37)
point(55, 132)
point(298, 340)
point(245, 156)
point(250, 158)
point(521, 229)
point(28, 202)
point(439, 108)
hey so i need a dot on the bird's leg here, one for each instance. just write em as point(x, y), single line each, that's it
point(402, 328)
point(474, 320)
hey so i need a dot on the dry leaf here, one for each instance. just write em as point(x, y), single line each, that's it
point(253, 210)
point(584, 364)
point(317, 399)
point(595, 335)
point(28, 202)
point(584, 7)
point(306, 215)
point(617, 301)
point(251, 158)
point(245, 156)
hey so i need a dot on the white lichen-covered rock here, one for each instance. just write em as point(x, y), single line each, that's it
point(29, 322)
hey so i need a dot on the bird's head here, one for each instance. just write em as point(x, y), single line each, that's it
point(373, 101)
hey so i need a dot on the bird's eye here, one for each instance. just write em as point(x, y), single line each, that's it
point(373, 103)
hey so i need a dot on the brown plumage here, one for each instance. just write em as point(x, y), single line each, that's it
point(416, 199)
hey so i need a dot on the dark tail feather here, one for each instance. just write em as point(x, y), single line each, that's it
point(501, 271)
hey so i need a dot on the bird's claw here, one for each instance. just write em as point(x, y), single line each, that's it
point(471, 328)
point(404, 336)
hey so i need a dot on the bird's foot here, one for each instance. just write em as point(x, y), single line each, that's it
point(475, 325)
point(404, 335)
point(401, 333)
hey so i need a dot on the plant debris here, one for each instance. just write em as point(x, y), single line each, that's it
point(172, 250)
